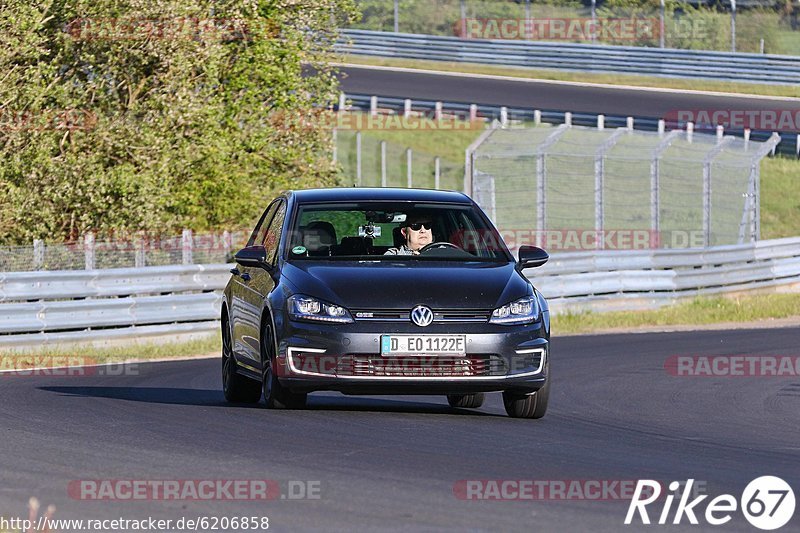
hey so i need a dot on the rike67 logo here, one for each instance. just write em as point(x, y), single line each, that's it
point(767, 503)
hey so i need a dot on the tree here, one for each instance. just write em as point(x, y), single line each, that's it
point(123, 115)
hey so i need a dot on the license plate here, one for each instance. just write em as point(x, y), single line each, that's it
point(423, 344)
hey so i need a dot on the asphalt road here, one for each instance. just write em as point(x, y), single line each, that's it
point(391, 463)
point(544, 95)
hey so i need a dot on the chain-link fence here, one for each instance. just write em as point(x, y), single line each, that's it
point(138, 250)
point(765, 26)
point(571, 188)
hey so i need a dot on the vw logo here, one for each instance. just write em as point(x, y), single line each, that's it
point(422, 316)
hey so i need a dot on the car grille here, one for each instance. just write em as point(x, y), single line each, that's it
point(440, 316)
point(409, 366)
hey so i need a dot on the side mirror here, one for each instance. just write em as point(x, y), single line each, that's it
point(531, 257)
point(252, 256)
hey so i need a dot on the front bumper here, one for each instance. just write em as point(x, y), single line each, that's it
point(346, 358)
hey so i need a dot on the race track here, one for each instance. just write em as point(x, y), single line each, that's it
point(653, 103)
point(391, 463)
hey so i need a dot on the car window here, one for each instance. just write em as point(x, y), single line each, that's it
point(259, 233)
point(371, 229)
point(272, 235)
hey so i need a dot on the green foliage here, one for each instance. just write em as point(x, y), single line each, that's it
point(193, 121)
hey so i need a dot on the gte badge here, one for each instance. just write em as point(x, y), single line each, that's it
point(767, 503)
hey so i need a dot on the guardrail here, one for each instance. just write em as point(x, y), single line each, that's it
point(667, 62)
point(788, 146)
point(83, 306)
point(634, 280)
point(51, 308)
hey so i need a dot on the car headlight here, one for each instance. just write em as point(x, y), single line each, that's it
point(307, 308)
point(522, 311)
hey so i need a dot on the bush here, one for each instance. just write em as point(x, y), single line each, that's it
point(113, 125)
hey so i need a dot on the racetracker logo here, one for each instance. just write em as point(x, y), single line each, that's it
point(62, 366)
point(545, 489)
point(559, 29)
point(354, 121)
point(767, 503)
point(582, 239)
point(193, 489)
point(724, 366)
point(781, 120)
point(141, 29)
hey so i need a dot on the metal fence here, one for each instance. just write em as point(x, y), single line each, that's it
point(138, 250)
point(80, 307)
point(569, 187)
point(748, 68)
point(743, 25)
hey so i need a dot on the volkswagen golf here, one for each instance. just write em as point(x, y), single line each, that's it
point(384, 291)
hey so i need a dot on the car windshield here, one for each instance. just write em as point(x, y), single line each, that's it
point(377, 231)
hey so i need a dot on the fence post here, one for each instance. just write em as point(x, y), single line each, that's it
point(537, 117)
point(662, 127)
point(438, 111)
point(373, 105)
point(140, 258)
point(408, 168)
point(186, 247)
point(661, 17)
point(342, 102)
point(503, 117)
point(407, 108)
point(601, 122)
point(397, 16)
point(629, 123)
point(568, 118)
point(473, 113)
point(689, 131)
point(733, 25)
point(720, 133)
point(358, 158)
point(383, 164)
point(227, 244)
point(437, 172)
point(88, 250)
point(38, 254)
point(335, 146)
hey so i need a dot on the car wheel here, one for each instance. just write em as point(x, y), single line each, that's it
point(276, 396)
point(235, 387)
point(466, 400)
point(533, 405)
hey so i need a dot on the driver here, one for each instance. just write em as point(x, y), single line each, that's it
point(416, 230)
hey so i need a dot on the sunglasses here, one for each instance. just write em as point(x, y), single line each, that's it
point(416, 226)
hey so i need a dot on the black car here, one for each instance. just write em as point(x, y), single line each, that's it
point(328, 295)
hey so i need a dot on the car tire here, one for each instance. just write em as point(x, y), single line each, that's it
point(235, 387)
point(532, 405)
point(276, 396)
point(472, 401)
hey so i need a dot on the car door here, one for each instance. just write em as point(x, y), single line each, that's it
point(240, 308)
point(260, 285)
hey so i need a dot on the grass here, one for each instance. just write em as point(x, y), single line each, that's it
point(780, 201)
point(697, 312)
point(584, 77)
point(80, 355)
point(448, 145)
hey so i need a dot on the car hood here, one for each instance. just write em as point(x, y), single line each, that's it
point(389, 285)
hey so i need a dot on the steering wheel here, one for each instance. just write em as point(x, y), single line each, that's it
point(439, 246)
